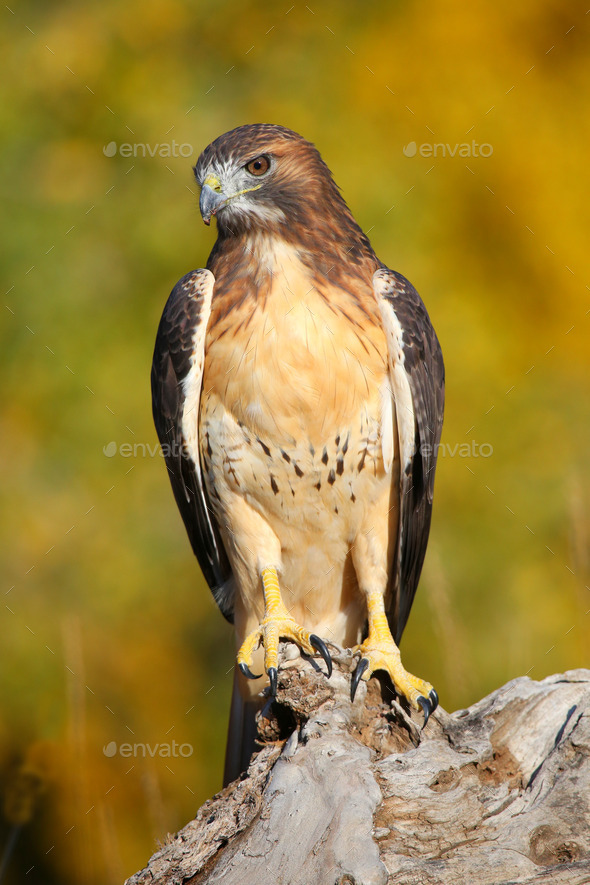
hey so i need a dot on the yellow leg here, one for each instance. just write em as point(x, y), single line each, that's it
point(276, 624)
point(379, 652)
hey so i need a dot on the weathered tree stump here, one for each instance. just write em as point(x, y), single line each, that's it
point(356, 793)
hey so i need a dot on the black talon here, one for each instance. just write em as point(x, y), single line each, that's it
point(247, 671)
point(425, 704)
point(428, 705)
point(272, 675)
point(321, 646)
point(356, 676)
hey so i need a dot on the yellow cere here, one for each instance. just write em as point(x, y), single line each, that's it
point(213, 182)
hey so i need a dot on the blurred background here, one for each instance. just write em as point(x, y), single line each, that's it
point(459, 134)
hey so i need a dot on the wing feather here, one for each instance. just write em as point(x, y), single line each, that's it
point(177, 377)
point(417, 379)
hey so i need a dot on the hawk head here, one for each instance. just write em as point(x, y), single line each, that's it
point(263, 176)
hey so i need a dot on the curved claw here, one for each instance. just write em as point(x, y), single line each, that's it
point(272, 675)
point(356, 676)
point(321, 646)
point(247, 671)
point(428, 705)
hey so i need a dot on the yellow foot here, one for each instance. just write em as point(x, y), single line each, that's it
point(379, 652)
point(277, 624)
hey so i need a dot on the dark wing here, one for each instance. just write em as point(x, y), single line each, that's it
point(417, 376)
point(177, 374)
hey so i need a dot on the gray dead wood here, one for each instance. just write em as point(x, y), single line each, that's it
point(495, 794)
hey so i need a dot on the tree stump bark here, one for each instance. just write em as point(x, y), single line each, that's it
point(351, 793)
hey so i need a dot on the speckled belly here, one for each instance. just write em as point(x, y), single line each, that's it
point(305, 483)
point(290, 434)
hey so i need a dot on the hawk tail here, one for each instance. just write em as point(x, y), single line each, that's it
point(241, 734)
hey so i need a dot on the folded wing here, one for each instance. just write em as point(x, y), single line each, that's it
point(417, 380)
point(177, 377)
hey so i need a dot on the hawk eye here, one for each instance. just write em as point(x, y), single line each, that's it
point(258, 166)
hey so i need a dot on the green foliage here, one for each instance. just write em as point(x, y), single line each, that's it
point(109, 633)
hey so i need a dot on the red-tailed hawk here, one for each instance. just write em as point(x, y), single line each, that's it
point(298, 389)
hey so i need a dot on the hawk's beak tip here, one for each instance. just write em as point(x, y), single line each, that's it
point(210, 202)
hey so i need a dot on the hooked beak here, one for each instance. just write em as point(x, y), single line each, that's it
point(212, 198)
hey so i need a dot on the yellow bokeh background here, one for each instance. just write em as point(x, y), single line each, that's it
point(108, 631)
